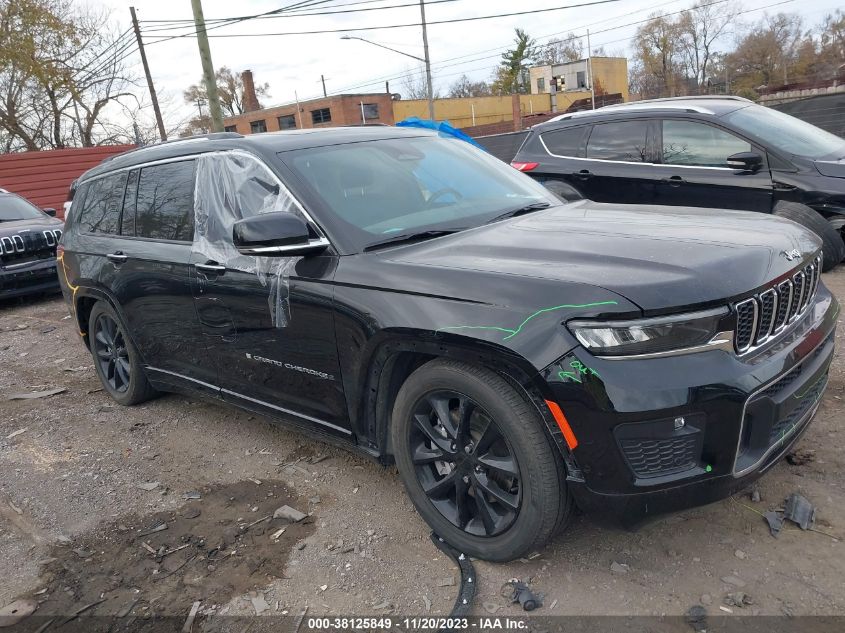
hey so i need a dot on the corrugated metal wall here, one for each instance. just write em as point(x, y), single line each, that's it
point(825, 111)
point(44, 178)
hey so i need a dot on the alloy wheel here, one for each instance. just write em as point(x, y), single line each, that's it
point(111, 353)
point(464, 464)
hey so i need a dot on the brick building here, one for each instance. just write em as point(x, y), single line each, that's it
point(351, 109)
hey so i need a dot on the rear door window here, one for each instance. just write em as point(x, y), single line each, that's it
point(699, 144)
point(164, 208)
point(620, 141)
point(565, 142)
point(102, 204)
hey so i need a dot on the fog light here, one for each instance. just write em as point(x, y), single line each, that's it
point(680, 423)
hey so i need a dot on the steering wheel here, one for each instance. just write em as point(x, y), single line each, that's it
point(443, 192)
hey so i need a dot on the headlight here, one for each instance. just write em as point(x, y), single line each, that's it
point(651, 336)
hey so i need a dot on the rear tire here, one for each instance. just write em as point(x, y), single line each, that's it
point(514, 495)
point(833, 248)
point(116, 361)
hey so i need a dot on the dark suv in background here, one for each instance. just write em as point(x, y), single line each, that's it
point(412, 297)
point(717, 152)
point(28, 239)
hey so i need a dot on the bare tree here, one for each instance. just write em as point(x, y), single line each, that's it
point(230, 90)
point(414, 85)
point(560, 51)
point(465, 87)
point(61, 67)
point(700, 28)
point(656, 53)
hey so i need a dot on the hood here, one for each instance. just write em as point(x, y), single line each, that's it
point(12, 227)
point(660, 258)
point(832, 168)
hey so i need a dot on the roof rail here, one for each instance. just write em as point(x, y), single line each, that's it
point(212, 136)
point(691, 98)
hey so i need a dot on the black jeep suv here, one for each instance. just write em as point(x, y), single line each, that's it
point(28, 239)
point(415, 298)
point(719, 152)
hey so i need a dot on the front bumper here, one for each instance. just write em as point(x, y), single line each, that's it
point(665, 434)
point(29, 278)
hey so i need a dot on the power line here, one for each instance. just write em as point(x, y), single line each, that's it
point(244, 18)
point(440, 65)
point(294, 10)
point(297, 13)
point(400, 26)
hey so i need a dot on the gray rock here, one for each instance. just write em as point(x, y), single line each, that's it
point(740, 554)
point(733, 580)
point(619, 568)
point(291, 514)
point(446, 582)
point(706, 599)
point(149, 486)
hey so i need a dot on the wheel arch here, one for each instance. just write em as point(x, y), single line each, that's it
point(83, 302)
point(398, 355)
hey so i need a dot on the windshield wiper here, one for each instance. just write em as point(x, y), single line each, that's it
point(410, 237)
point(527, 208)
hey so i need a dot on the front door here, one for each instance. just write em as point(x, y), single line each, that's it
point(694, 170)
point(267, 322)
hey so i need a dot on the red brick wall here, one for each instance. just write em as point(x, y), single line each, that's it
point(345, 110)
point(44, 178)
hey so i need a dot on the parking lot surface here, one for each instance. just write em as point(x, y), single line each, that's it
point(85, 486)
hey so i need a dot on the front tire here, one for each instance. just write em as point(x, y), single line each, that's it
point(116, 361)
point(476, 461)
point(833, 247)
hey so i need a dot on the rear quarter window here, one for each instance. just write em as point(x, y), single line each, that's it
point(101, 205)
point(565, 142)
point(164, 205)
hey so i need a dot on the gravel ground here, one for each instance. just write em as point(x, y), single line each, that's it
point(71, 508)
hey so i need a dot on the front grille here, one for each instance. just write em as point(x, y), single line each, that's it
point(28, 246)
point(649, 457)
point(761, 318)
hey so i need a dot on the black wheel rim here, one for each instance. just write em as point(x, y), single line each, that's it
point(464, 464)
point(111, 354)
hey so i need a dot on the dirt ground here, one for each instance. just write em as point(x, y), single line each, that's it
point(83, 481)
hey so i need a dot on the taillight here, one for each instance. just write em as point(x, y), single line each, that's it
point(524, 166)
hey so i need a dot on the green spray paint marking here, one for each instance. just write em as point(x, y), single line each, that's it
point(708, 468)
point(568, 374)
point(513, 332)
point(810, 388)
point(580, 370)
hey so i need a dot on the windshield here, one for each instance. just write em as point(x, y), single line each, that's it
point(15, 208)
point(402, 186)
point(786, 133)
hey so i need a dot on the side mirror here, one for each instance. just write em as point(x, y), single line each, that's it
point(746, 161)
point(278, 234)
point(51, 212)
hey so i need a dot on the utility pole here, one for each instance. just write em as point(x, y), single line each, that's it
point(150, 85)
point(207, 68)
point(590, 69)
point(323, 79)
point(427, 63)
point(387, 87)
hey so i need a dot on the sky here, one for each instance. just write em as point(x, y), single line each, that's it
point(292, 64)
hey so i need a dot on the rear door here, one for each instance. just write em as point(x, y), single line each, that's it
point(147, 271)
point(693, 168)
point(618, 162)
point(267, 322)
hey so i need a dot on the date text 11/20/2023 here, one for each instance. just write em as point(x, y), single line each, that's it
point(432, 623)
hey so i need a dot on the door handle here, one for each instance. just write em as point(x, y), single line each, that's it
point(211, 267)
point(674, 181)
point(117, 257)
point(584, 174)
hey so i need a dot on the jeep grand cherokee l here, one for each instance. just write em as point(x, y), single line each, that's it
point(418, 300)
point(722, 152)
point(28, 239)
